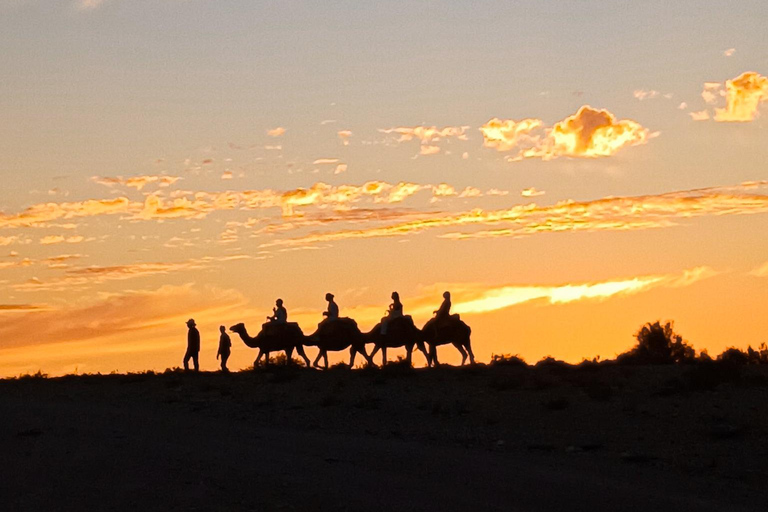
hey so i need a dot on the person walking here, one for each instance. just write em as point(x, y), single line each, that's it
point(225, 348)
point(193, 346)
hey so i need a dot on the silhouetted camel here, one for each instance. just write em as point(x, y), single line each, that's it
point(401, 332)
point(274, 337)
point(453, 331)
point(335, 335)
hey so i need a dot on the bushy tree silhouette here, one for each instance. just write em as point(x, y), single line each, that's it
point(658, 343)
point(750, 356)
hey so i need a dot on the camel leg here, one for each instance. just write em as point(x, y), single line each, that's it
point(266, 360)
point(383, 356)
point(462, 351)
point(375, 349)
point(420, 346)
point(433, 355)
point(319, 355)
point(288, 355)
point(352, 354)
point(325, 358)
point(300, 351)
point(366, 356)
point(409, 353)
point(258, 358)
point(468, 346)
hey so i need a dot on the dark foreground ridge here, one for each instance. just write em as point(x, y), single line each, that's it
point(506, 436)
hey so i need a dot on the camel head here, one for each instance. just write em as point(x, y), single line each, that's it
point(238, 328)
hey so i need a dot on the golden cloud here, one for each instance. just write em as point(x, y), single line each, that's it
point(590, 133)
point(26, 262)
point(344, 136)
point(276, 132)
point(41, 214)
point(20, 307)
point(607, 214)
point(744, 94)
point(505, 135)
point(531, 192)
point(137, 182)
point(196, 205)
point(58, 239)
point(481, 298)
point(79, 278)
point(427, 134)
point(484, 300)
point(425, 150)
point(702, 115)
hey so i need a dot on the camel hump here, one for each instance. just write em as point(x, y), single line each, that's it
point(405, 319)
point(452, 322)
point(280, 328)
point(350, 322)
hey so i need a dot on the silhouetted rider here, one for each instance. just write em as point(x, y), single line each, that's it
point(444, 312)
point(280, 314)
point(395, 311)
point(332, 313)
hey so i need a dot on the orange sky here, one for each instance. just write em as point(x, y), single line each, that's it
point(564, 193)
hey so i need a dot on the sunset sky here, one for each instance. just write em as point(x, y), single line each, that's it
point(568, 170)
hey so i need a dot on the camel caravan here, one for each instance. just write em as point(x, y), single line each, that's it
point(335, 334)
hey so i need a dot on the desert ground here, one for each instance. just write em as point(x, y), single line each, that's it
point(503, 437)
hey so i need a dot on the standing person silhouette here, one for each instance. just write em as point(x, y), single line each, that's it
point(193, 346)
point(332, 313)
point(395, 311)
point(225, 350)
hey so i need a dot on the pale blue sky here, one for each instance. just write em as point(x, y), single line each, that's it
point(113, 88)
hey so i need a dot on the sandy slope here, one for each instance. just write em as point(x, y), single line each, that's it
point(477, 439)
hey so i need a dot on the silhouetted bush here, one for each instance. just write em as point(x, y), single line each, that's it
point(658, 344)
point(401, 366)
point(38, 375)
point(555, 366)
point(759, 356)
point(733, 356)
point(507, 360)
point(750, 356)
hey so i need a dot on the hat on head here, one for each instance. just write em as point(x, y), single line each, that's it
point(191, 322)
point(328, 296)
point(279, 302)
